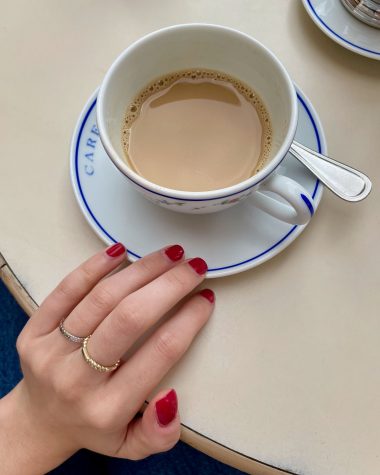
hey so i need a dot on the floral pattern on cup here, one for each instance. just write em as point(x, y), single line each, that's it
point(169, 203)
point(229, 201)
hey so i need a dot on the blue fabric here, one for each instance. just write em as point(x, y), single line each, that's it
point(181, 460)
point(12, 320)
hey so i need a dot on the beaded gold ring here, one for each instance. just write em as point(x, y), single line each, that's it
point(94, 364)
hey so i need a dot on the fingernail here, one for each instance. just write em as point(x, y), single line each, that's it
point(116, 250)
point(166, 408)
point(208, 294)
point(175, 253)
point(199, 265)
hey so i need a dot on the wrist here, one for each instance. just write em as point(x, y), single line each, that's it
point(27, 443)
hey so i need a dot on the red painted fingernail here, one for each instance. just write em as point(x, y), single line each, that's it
point(175, 253)
point(208, 294)
point(116, 250)
point(199, 265)
point(166, 408)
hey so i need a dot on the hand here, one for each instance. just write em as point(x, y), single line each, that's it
point(68, 405)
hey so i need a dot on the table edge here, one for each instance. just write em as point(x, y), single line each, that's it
point(15, 287)
point(188, 435)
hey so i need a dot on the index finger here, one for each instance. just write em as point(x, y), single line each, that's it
point(74, 287)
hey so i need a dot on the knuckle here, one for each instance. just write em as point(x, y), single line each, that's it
point(176, 281)
point(168, 443)
point(79, 279)
point(83, 280)
point(39, 365)
point(145, 265)
point(149, 446)
point(86, 272)
point(168, 346)
point(67, 287)
point(22, 346)
point(64, 389)
point(128, 318)
point(99, 419)
point(136, 451)
point(102, 298)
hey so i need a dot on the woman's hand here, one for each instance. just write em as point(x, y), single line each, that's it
point(63, 404)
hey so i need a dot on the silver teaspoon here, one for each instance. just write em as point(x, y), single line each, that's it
point(346, 182)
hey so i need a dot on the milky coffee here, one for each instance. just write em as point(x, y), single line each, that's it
point(196, 130)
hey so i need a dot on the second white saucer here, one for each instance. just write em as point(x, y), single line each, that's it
point(343, 28)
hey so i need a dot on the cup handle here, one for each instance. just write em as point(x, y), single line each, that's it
point(299, 209)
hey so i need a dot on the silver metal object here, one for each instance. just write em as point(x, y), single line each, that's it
point(346, 182)
point(367, 11)
point(68, 335)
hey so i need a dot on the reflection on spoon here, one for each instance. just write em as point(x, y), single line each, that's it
point(346, 182)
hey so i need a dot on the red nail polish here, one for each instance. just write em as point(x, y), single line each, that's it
point(175, 253)
point(166, 408)
point(199, 265)
point(208, 294)
point(116, 250)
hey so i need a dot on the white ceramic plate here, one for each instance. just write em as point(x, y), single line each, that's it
point(342, 27)
point(231, 241)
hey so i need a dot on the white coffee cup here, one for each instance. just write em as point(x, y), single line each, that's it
point(224, 49)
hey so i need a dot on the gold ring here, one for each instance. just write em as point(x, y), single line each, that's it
point(93, 363)
point(68, 335)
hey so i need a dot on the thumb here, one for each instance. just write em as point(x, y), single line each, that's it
point(158, 429)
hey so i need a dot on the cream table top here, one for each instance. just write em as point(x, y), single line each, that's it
point(287, 371)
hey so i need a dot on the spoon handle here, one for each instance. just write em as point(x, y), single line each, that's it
point(346, 182)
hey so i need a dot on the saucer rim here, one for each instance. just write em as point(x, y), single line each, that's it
point(336, 37)
point(216, 272)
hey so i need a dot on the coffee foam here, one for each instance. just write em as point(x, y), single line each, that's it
point(190, 75)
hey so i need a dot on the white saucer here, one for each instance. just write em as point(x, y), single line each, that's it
point(342, 27)
point(231, 241)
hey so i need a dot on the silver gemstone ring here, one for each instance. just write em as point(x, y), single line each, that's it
point(69, 336)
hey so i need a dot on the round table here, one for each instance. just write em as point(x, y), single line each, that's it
point(285, 376)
